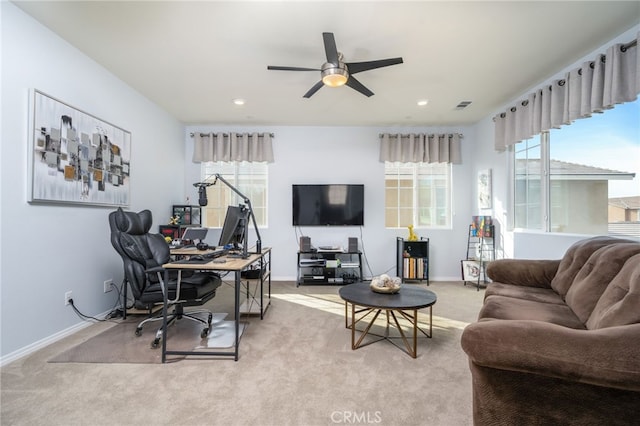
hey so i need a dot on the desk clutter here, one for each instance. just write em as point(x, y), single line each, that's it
point(190, 256)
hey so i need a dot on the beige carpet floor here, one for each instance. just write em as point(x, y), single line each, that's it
point(296, 367)
point(125, 347)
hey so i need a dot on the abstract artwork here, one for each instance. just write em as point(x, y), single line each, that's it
point(76, 157)
point(484, 189)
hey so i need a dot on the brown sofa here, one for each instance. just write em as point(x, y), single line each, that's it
point(557, 342)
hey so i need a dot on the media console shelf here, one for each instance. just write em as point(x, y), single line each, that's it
point(329, 267)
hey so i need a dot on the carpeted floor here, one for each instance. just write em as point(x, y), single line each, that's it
point(125, 347)
point(296, 367)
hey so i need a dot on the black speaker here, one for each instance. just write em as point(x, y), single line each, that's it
point(305, 244)
point(353, 245)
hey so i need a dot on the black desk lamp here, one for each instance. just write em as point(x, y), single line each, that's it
point(202, 200)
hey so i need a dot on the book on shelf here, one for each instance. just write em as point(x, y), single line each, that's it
point(415, 268)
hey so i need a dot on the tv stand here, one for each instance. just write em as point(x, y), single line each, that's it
point(329, 267)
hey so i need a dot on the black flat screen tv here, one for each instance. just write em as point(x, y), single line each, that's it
point(328, 205)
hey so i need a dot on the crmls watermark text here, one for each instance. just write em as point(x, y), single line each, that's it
point(356, 417)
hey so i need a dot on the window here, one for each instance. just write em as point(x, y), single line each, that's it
point(250, 179)
point(528, 184)
point(582, 178)
point(417, 194)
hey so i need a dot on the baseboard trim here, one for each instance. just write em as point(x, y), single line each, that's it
point(29, 349)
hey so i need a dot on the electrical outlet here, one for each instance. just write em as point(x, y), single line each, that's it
point(107, 285)
point(67, 297)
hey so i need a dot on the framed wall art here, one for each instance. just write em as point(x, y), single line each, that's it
point(471, 270)
point(76, 157)
point(484, 189)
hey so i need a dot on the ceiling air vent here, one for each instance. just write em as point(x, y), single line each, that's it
point(462, 105)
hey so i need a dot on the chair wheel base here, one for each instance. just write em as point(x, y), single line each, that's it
point(155, 344)
point(139, 331)
point(205, 333)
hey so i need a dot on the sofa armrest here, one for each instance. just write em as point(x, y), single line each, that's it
point(605, 357)
point(524, 272)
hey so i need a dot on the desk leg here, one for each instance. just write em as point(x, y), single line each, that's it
point(165, 298)
point(261, 296)
point(237, 314)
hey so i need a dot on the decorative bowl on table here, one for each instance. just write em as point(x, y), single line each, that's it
point(385, 284)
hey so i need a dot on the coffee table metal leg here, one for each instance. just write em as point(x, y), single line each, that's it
point(415, 333)
point(411, 316)
point(366, 330)
point(346, 314)
point(404, 337)
point(353, 326)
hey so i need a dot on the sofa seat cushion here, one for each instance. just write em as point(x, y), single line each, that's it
point(536, 294)
point(510, 308)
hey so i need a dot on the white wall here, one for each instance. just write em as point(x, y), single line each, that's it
point(346, 155)
point(47, 250)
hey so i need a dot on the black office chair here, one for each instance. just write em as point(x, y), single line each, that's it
point(143, 255)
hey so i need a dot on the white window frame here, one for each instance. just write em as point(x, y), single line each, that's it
point(235, 173)
point(420, 170)
point(545, 190)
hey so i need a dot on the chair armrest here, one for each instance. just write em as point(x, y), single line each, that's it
point(525, 272)
point(605, 357)
point(154, 269)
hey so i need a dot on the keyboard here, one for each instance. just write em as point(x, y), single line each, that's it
point(215, 254)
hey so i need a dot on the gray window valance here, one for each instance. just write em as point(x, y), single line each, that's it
point(421, 148)
point(598, 85)
point(252, 147)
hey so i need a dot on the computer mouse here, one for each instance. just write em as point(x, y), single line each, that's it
point(196, 257)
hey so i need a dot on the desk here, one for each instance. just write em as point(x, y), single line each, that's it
point(235, 265)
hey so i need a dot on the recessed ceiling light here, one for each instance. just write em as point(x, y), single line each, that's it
point(238, 101)
point(423, 102)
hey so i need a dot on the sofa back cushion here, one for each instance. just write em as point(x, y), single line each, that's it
point(596, 275)
point(620, 302)
point(575, 257)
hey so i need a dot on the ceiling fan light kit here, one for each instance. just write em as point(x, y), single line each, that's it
point(335, 72)
point(334, 76)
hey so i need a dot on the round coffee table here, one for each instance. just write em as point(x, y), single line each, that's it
point(406, 303)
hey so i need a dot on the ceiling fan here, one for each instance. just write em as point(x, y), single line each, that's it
point(335, 72)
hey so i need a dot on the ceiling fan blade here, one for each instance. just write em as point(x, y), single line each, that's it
point(356, 67)
point(314, 89)
point(356, 85)
point(330, 48)
point(279, 68)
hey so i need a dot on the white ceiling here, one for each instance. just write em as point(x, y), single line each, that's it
point(194, 58)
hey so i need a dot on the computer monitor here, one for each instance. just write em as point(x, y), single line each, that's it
point(235, 224)
point(195, 234)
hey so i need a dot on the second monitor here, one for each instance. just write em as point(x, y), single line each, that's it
point(235, 226)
